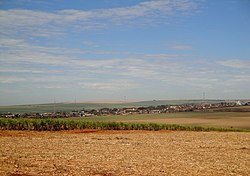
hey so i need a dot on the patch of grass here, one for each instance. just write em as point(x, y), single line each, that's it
point(65, 124)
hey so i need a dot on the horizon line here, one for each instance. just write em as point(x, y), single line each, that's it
point(125, 102)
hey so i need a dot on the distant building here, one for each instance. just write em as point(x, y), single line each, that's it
point(238, 103)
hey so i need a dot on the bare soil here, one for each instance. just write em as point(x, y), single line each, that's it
point(111, 153)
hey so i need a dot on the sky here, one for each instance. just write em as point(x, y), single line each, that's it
point(92, 50)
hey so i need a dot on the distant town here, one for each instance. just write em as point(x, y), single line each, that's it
point(226, 106)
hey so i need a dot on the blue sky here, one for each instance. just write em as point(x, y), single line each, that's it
point(96, 50)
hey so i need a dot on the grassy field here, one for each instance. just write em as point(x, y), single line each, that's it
point(66, 107)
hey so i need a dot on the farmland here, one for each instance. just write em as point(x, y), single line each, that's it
point(212, 119)
point(112, 153)
point(239, 120)
point(183, 143)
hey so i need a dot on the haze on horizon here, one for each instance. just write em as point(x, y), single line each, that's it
point(104, 50)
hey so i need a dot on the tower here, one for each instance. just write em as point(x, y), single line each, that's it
point(203, 96)
point(54, 105)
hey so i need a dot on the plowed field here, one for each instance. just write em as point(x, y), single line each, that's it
point(111, 153)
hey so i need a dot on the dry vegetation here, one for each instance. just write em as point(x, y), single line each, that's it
point(110, 153)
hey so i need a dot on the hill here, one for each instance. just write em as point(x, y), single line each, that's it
point(67, 107)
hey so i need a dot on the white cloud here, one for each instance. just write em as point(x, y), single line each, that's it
point(11, 79)
point(52, 66)
point(109, 85)
point(69, 66)
point(181, 47)
point(51, 86)
point(240, 64)
point(22, 70)
point(144, 9)
point(40, 23)
point(16, 51)
point(241, 78)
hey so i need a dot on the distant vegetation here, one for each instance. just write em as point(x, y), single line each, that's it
point(67, 107)
point(65, 124)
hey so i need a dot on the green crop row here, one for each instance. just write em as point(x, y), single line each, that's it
point(65, 124)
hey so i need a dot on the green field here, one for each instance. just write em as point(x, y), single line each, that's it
point(66, 107)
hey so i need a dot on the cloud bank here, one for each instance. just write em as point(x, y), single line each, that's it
point(33, 60)
point(46, 24)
